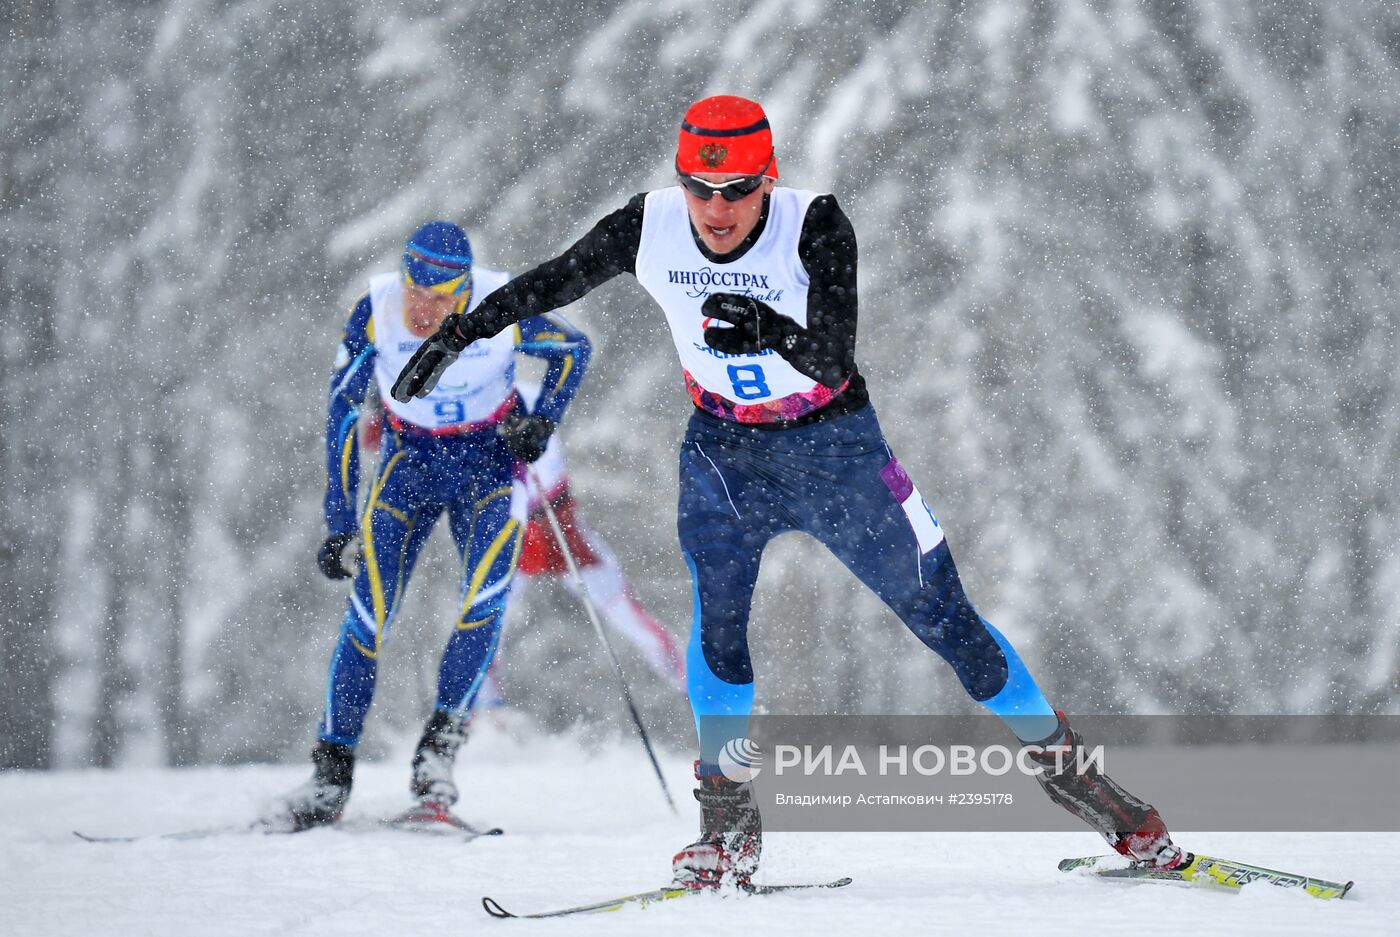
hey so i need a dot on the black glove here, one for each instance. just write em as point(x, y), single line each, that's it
point(421, 374)
point(757, 326)
point(331, 556)
point(525, 434)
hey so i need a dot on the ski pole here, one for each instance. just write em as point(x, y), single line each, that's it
point(598, 627)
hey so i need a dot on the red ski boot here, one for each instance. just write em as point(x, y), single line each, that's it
point(1130, 826)
point(731, 836)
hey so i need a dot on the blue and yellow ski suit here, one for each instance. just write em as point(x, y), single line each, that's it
point(456, 465)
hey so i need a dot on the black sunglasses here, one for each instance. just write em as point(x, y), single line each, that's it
point(734, 190)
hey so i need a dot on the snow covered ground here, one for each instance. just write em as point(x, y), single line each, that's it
point(584, 827)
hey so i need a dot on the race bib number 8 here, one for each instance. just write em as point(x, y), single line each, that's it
point(748, 381)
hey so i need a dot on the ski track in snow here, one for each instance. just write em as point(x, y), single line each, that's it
point(583, 827)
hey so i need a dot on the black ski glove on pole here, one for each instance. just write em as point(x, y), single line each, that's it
point(525, 434)
point(421, 374)
point(757, 326)
point(331, 556)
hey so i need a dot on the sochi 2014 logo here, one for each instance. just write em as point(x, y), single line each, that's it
point(740, 760)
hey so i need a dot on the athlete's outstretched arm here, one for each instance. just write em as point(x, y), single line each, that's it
point(608, 249)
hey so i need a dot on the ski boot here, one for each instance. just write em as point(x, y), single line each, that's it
point(432, 761)
point(1133, 828)
point(731, 836)
point(322, 799)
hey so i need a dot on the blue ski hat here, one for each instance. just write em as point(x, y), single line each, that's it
point(439, 257)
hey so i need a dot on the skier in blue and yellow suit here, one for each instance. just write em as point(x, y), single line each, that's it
point(456, 451)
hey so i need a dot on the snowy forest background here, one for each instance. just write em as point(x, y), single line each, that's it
point(1129, 303)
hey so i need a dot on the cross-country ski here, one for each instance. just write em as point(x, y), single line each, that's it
point(423, 819)
point(643, 899)
point(1206, 871)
